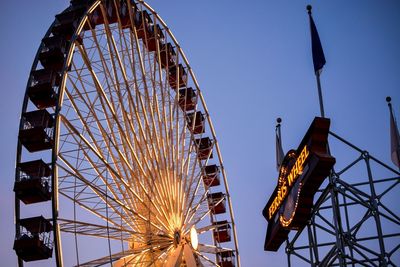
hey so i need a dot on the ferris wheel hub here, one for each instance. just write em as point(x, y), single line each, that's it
point(177, 237)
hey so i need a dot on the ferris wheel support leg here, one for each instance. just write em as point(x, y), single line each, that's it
point(54, 201)
point(17, 229)
point(56, 229)
point(17, 215)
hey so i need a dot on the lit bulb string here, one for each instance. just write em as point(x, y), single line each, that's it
point(282, 220)
point(288, 178)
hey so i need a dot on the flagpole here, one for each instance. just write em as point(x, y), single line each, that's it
point(321, 103)
point(318, 60)
point(278, 144)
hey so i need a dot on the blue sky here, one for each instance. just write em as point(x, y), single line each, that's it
point(253, 63)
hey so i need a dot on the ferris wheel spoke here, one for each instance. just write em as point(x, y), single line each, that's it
point(88, 159)
point(133, 257)
point(105, 102)
point(114, 54)
point(158, 256)
point(132, 105)
point(147, 112)
point(92, 136)
point(160, 133)
point(115, 174)
point(198, 182)
point(89, 197)
point(178, 126)
point(149, 80)
point(105, 67)
point(105, 199)
point(157, 152)
point(153, 119)
point(97, 212)
point(96, 167)
point(209, 228)
point(191, 179)
point(130, 217)
point(90, 105)
point(90, 229)
point(124, 262)
point(116, 89)
point(125, 49)
point(191, 192)
point(162, 116)
point(192, 208)
point(99, 207)
point(169, 127)
point(166, 109)
point(97, 175)
point(112, 170)
point(112, 47)
point(211, 249)
point(182, 142)
point(213, 263)
point(115, 233)
point(113, 258)
point(177, 179)
point(142, 152)
point(194, 220)
point(121, 130)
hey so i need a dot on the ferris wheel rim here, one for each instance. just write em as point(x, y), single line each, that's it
point(58, 117)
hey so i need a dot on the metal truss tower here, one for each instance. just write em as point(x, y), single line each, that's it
point(356, 216)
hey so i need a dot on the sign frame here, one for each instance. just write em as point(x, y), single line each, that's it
point(301, 174)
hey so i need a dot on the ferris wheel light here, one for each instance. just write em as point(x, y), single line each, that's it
point(194, 238)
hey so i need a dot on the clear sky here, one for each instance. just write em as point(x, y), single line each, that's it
point(253, 63)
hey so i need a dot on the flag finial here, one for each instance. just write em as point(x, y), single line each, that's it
point(388, 99)
point(309, 7)
point(278, 121)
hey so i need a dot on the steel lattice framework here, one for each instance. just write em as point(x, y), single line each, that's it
point(356, 217)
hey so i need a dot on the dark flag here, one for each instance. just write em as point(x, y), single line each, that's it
point(394, 140)
point(317, 52)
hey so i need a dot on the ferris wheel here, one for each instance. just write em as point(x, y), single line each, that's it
point(117, 158)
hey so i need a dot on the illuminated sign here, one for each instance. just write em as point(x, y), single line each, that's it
point(300, 176)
